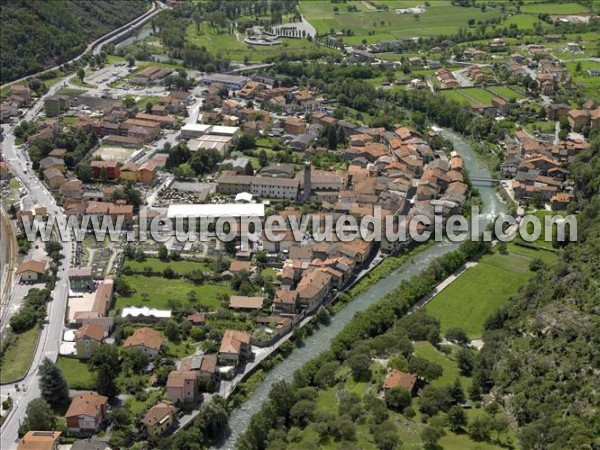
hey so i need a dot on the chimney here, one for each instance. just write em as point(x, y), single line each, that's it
point(306, 181)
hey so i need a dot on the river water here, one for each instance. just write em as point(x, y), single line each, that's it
point(321, 339)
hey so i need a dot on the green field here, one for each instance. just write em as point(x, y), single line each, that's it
point(523, 21)
point(456, 96)
point(482, 289)
point(18, 356)
point(441, 17)
point(479, 95)
point(160, 290)
point(77, 373)
point(232, 46)
point(553, 8)
point(158, 266)
point(505, 92)
point(425, 350)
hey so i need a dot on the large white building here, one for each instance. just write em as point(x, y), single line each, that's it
point(259, 186)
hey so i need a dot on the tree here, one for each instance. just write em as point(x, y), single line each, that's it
point(332, 139)
point(39, 416)
point(81, 74)
point(397, 398)
point(479, 429)
point(303, 412)
point(105, 359)
point(457, 335)
point(130, 60)
point(137, 359)
point(282, 396)
point(148, 107)
point(172, 331)
point(457, 418)
point(53, 385)
point(325, 376)
point(457, 393)
point(359, 364)
point(431, 435)
point(128, 102)
point(163, 253)
point(465, 360)
point(263, 160)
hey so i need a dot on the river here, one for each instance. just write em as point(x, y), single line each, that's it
point(321, 339)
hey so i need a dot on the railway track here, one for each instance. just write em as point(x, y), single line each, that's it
point(8, 264)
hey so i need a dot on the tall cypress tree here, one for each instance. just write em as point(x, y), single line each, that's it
point(53, 385)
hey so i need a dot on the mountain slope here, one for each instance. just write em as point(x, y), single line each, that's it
point(541, 356)
point(40, 34)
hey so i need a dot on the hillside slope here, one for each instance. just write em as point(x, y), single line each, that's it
point(40, 34)
point(541, 356)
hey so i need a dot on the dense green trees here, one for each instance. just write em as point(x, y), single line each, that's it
point(37, 35)
point(39, 417)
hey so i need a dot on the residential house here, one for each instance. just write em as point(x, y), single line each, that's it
point(31, 270)
point(182, 386)
point(159, 419)
point(108, 170)
point(54, 178)
point(244, 303)
point(80, 279)
point(146, 173)
point(285, 302)
point(403, 379)
point(147, 339)
point(87, 338)
point(313, 288)
point(578, 119)
point(235, 344)
point(294, 125)
point(39, 440)
point(86, 413)
point(129, 172)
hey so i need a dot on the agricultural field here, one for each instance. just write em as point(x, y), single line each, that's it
point(481, 290)
point(441, 17)
point(553, 8)
point(523, 21)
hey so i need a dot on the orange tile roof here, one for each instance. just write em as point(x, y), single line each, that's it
point(87, 404)
point(146, 337)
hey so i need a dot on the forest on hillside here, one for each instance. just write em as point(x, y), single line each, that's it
point(40, 34)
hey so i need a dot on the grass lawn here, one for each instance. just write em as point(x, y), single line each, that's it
point(456, 96)
point(505, 92)
point(425, 350)
point(478, 292)
point(139, 408)
point(160, 290)
point(77, 373)
point(18, 356)
point(479, 95)
point(523, 21)
point(158, 266)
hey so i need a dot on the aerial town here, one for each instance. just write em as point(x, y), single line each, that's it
point(343, 109)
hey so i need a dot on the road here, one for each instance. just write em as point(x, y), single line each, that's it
point(52, 332)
